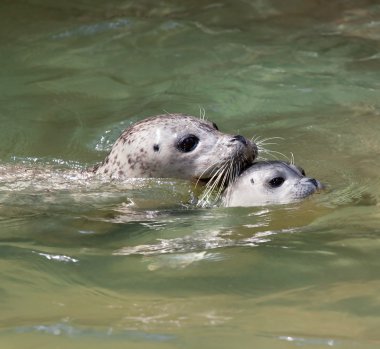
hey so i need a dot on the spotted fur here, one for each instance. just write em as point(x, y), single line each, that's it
point(149, 148)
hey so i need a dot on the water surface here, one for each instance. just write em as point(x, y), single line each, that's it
point(87, 263)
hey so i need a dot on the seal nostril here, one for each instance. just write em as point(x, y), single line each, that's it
point(314, 181)
point(239, 138)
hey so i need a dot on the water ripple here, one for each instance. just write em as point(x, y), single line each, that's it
point(93, 29)
point(59, 258)
point(65, 329)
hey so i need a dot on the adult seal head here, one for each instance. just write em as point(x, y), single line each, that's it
point(270, 182)
point(178, 146)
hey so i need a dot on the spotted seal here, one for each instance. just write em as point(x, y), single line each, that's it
point(270, 182)
point(178, 146)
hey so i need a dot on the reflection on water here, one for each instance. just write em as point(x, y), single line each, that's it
point(87, 262)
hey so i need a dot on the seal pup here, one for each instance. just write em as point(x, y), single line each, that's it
point(178, 146)
point(270, 182)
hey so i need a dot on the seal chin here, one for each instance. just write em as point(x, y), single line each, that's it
point(246, 163)
point(248, 157)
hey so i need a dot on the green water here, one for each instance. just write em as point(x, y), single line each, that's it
point(82, 266)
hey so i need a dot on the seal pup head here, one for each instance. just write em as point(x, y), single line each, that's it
point(177, 146)
point(270, 182)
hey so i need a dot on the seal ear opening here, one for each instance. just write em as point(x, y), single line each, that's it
point(252, 181)
point(215, 126)
point(303, 173)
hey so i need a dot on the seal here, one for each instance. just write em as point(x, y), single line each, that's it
point(178, 146)
point(268, 183)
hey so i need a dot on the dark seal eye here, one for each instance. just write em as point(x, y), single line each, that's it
point(276, 182)
point(188, 143)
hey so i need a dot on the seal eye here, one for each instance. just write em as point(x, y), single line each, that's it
point(276, 182)
point(188, 143)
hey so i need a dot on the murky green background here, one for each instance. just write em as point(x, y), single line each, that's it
point(81, 266)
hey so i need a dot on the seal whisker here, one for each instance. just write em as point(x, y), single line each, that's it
point(264, 141)
point(273, 153)
point(225, 175)
point(207, 169)
point(202, 113)
point(230, 169)
point(223, 179)
point(292, 159)
point(262, 145)
point(212, 184)
point(214, 180)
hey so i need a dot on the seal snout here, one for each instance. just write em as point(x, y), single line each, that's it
point(317, 184)
point(314, 182)
point(239, 138)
